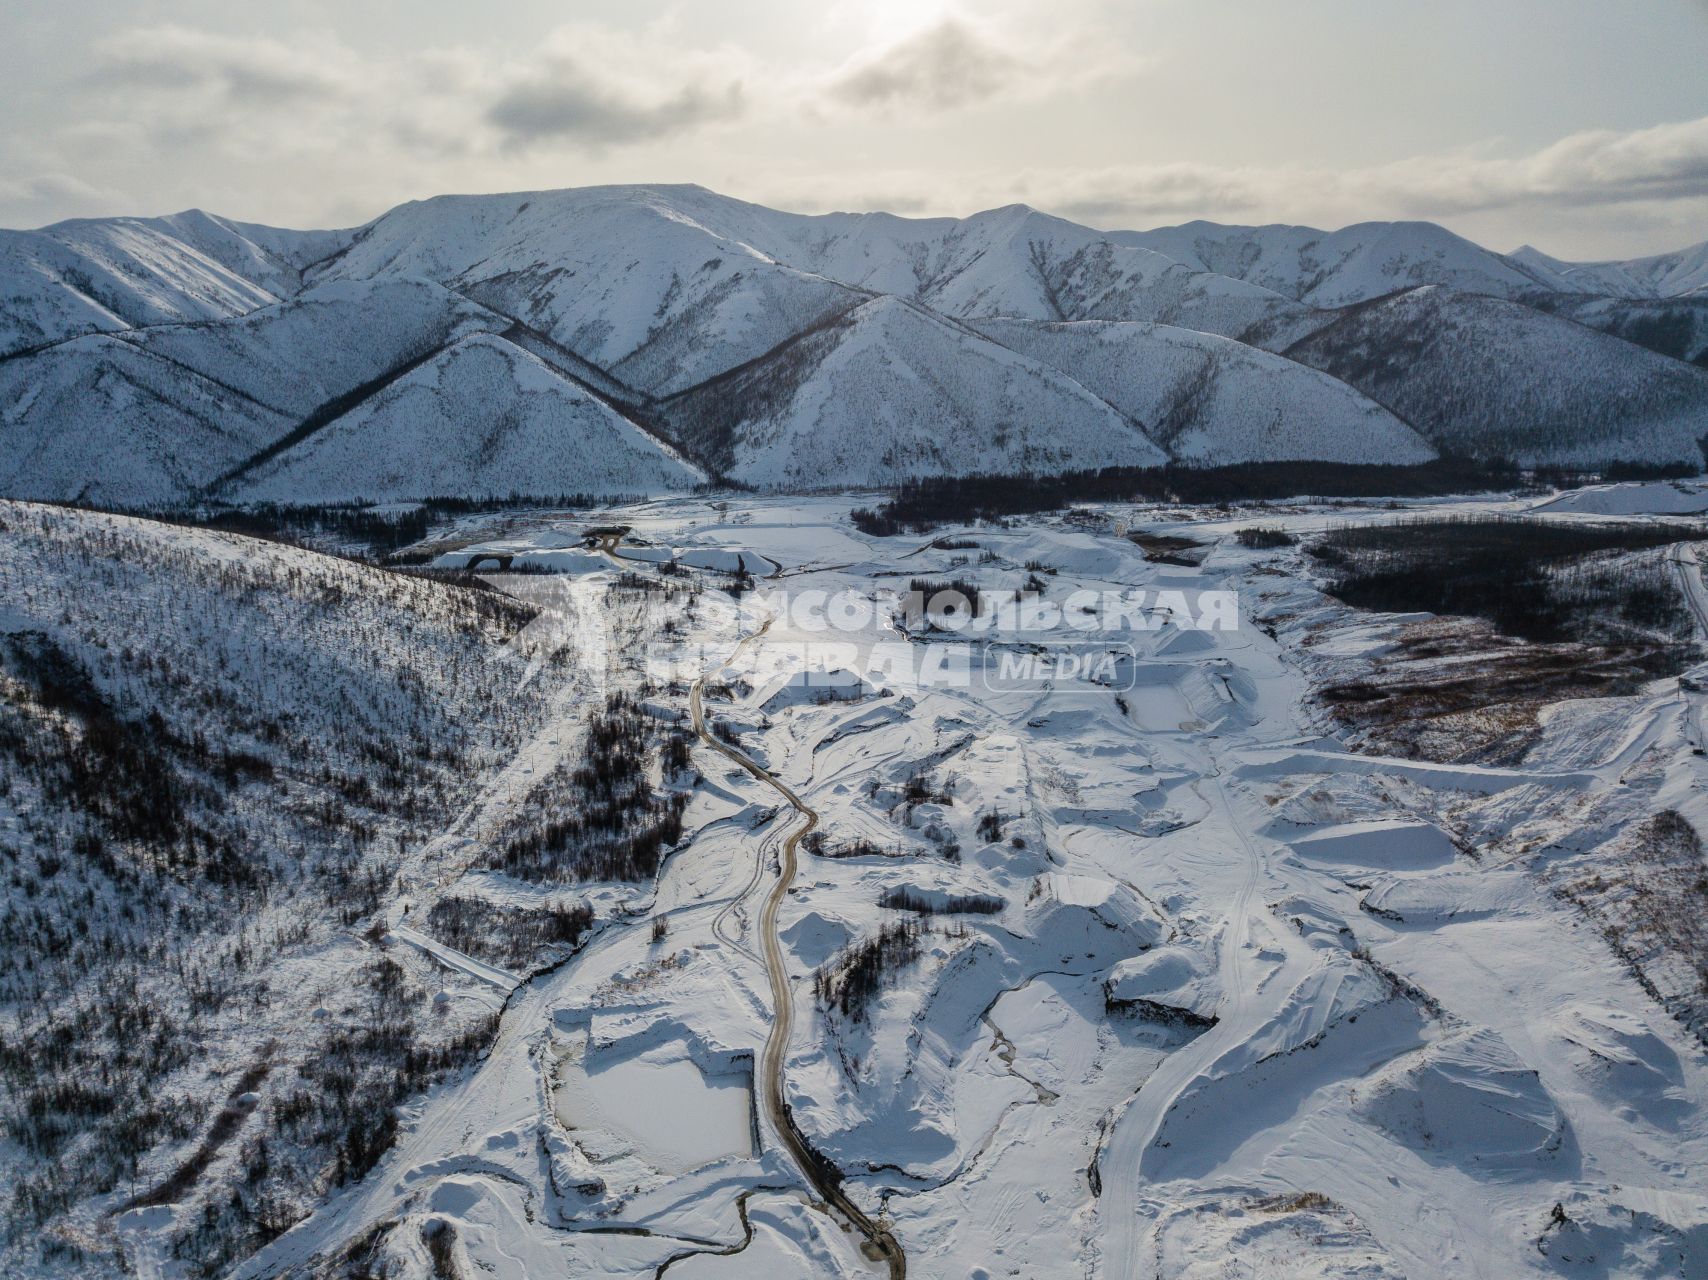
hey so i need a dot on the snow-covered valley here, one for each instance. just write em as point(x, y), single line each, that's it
point(1190, 966)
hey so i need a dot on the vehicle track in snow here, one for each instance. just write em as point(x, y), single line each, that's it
point(1689, 566)
point(1132, 1137)
point(825, 1178)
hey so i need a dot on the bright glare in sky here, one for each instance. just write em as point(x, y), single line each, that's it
point(1578, 126)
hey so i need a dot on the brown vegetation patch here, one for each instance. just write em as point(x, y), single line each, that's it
point(1653, 911)
point(1456, 690)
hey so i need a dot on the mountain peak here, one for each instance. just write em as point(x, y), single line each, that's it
point(654, 295)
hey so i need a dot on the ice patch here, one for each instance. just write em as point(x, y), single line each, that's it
point(673, 1112)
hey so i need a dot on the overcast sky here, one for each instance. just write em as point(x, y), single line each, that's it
point(1580, 126)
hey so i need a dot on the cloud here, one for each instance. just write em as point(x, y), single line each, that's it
point(293, 124)
point(587, 86)
point(1657, 165)
point(958, 63)
point(949, 65)
point(565, 102)
point(597, 88)
point(1184, 190)
point(245, 69)
point(1666, 162)
point(28, 202)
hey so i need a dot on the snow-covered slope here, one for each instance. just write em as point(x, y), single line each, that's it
point(1676, 327)
point(271, 257)
point(99, 274)
point(151, 415)
point(622, 276)
point(257, 337)
point(325, 342)
point(1213, 400)
point(1332, 269)
point(1666, 275)
point(1357, 263)
point(1015, 261)
point(216, 751)
point(893, 390)
point(96, 420)
point(482, 418)
point(1478, 375)
point(670, 285)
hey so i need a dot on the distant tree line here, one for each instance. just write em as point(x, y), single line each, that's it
point(379, 531)
point(1540, 580)
point(918, 506)
point(1264, 537)
point(1612, 473)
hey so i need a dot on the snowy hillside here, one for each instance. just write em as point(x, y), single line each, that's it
point(1332, 269)
point(95, 419)
point(1665, 275)
point(482, 418)
point(324, 342)
point(1370, 259)
point(630, 263)
point(1016, 261)
point(1481, 376)
point(894, 390)
point(216, 750)
point(621, 276)
point(101, 274)
point(668, 286)
point(1212, 400)
point(153, 415)
point(242, 341)
point(1676, 327)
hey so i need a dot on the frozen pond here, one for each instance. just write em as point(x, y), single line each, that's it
point(659, 1103)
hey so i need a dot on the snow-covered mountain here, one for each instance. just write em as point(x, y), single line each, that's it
point(232, 345)
point(626, 277)
point(152, 415)
point(482, 419)
point(101, 274)
point(1211, 400)
point(95, 419)
point(325, 342)
point(1667, 275)
point(893, 390)
point(1015, 261)
point(1332, 269)
point(1478, 375)
point(1370, 259)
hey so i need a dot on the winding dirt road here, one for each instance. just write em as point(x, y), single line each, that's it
point(824, 1176)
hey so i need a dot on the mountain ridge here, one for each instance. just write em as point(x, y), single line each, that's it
point(655, 300)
